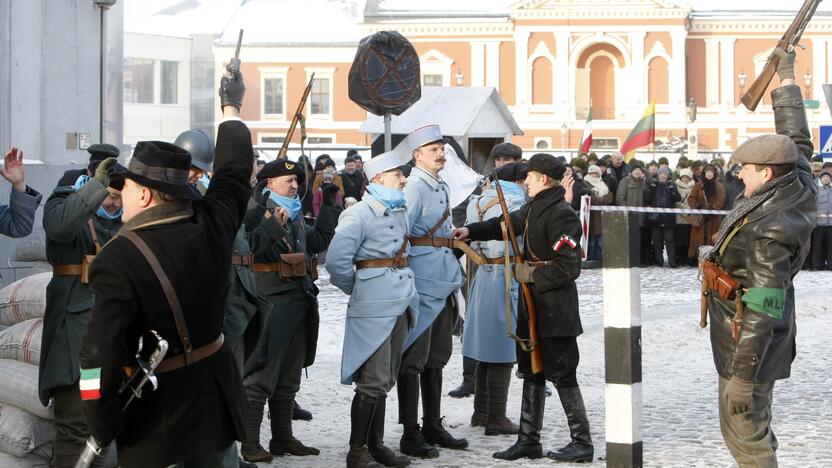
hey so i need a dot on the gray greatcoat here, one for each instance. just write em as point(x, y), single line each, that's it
point(18, 217)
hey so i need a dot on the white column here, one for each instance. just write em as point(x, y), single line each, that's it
point(726, 48)
point(635, 89)
point(492, 64)
point(521, 72)
point(563, 78)
point(678, 78)
point(711, 72)
point(477, 64)
point(819, 76)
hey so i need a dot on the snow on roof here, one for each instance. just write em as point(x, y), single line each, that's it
point(443, 7)
point(185, 18)
point(459, 110)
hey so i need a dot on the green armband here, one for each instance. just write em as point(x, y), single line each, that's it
point(769, 301)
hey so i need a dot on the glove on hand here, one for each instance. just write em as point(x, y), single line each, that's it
point(738, 394)
point(102, 172)
point(330, 192)
point(232, 90)
point(523, 272)
point(785, 69)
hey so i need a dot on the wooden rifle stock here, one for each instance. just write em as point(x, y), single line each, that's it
point(787, 43)
point(295, 118)
point(536, 357)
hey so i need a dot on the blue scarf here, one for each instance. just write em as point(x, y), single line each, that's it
point(203, 181)
point(292, 205)
point(391, 198)
point(101, 213)
point(511, 189)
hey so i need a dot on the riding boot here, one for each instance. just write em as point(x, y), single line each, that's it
point(466, 388)
point(251, 449)
point(433, 427)
point(412, 442)
point(283, 442)
point(361, 417)
point(300, 414)
point(375, 439)
point(499, 378)
point(580, 449)
point(531, 421)
point(480, 416)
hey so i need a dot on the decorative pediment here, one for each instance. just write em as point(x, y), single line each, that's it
point(538, 9)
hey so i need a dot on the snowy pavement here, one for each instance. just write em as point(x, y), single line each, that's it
point(680, 423)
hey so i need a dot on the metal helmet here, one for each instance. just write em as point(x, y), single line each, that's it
point(201, 146)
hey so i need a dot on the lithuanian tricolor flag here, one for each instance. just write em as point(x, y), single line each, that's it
point(643, 134)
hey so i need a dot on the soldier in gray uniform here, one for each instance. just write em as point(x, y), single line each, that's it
point(284, 246)
point(18, 217)
point(438, 276)
point(372, 236)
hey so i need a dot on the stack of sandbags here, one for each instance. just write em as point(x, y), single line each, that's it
point(26, 430)
point(31, 252)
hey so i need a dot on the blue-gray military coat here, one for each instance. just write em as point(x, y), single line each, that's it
point(378, 296)
point(18, 217)
point(436, 268)
point(485, 337)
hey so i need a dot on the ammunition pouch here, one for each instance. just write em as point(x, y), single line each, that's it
point(292, 265)
point(719, 281)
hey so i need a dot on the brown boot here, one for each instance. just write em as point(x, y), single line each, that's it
point(480, 416)
point(251, 449)
point(283, 442)
point(499, 378)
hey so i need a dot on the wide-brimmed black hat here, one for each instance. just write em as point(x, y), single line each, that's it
point(281, 167)
point(164, 167)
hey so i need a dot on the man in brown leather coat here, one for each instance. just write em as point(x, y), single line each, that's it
point(762, 243)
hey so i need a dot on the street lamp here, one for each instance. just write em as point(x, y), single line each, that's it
point(807, 78)
point(691, 110)
point(459, 77)
point(741, 79)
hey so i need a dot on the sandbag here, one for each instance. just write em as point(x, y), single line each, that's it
point(19, 387)
point(24, 299)
point(29, 461)
point(30, 249)
point(21, 342)
point(23, 433)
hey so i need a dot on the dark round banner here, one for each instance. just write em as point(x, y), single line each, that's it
point(385, 77)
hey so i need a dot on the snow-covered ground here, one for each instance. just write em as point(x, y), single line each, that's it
point(681, 427)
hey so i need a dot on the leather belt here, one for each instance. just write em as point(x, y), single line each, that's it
point(243, 260)
point(274, 267)
point(198, 354)
point(68, 270)
point(541, 263)
point(497, 261)
point(382, 263)
point(432, 242)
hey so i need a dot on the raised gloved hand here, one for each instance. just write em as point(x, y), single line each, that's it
point(232, 90)
point(738, 395)
point(785, 69)
point(330, 192)
point(102, 172)
point(523, 272)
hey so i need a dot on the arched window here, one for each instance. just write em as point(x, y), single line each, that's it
point(542, 81)
point(657, 81)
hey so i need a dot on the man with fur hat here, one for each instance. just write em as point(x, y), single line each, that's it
point(285, 267)
point(762, 244)
point(144, 279)
point(18, 217)
point(367, 259)
point(551, 234)
point(78, 219)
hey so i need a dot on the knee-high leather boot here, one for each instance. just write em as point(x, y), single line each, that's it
point(433, 428)
point(531, 421)
point(412, 443)
point(580, 449)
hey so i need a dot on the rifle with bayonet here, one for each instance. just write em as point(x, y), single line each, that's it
point(787, 43)
point(295, 119)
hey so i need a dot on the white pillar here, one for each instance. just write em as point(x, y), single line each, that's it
point(492, 64)
point(635, 89)
point(678, 82)
point(477, 64)
point(819, 76)
point(521, 72)
point(563, 78)
point(711, 72)
point(726, 48)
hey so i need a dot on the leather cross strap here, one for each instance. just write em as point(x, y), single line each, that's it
point(94, 236)
point(67, 270)
point(180, 360)
point(167, 287)
point(399, 261)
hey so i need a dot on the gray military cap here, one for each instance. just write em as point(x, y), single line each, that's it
point(766, 149)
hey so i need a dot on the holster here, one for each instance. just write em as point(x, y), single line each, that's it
point(719, 280)
point(85, 268)
point(292, 265)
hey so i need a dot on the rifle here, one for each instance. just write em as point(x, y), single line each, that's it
point(787, 43)
point(143, 374)
point(530, 344)
point(298, 116)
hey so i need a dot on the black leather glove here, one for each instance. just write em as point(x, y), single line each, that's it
point(330, 192)
point(102, 172)
point(785, 69)
point(232, 90)
point(738, 394)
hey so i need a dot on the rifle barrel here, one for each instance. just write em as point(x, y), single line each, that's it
point(239, 43)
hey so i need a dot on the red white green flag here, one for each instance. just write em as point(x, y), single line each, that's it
point(90, 384)
point(586, 139)
point(643, 134)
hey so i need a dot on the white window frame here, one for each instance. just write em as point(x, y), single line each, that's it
point(268, 73)
point(327, 73)
point(321, 135)
point(260, 137)
point(434, 62)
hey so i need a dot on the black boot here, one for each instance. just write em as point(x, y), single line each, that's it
point(251, 449)
point(466, 388)
point(283, 442)
point(580, 449)
point(361, 417)
point(245, 464)
point(480, 416)
point(300, 414)
point(412, 442)
point(375, 439)
point(432, 425)
point(499, 378)
point(531, 421)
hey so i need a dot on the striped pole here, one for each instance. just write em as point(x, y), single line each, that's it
point(622, 339)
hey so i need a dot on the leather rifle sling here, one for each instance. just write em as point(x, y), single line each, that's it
point(94, 236)
point(167, 287)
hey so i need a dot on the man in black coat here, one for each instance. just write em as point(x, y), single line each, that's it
point(551, 233)
point(198, 409)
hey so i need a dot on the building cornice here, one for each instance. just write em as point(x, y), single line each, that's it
point(756, 25)
point(439, 29)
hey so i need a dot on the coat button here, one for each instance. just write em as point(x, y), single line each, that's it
point(401, 277)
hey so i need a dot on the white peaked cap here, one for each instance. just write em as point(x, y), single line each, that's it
point(381, 163)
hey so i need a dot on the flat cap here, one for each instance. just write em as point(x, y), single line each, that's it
point(281, 167)
point(548, 165)
point(766, 149)
point(508, 150)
